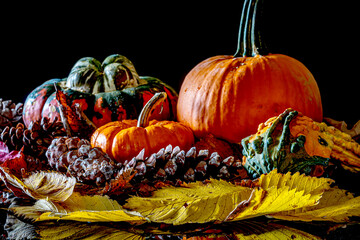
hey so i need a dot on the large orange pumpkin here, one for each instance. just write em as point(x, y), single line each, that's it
point(228, 96)
point(123, 140)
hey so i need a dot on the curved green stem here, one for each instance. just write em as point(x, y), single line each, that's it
point(249, 40)
point(240, 46)
point(150, 106)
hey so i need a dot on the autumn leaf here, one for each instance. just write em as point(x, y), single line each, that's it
point(250, 230)
point(283, 196)
point(219, 200)
point(14, 160)
point(118, 184)
point(300, 182)
point(78, 230)
point(336, 205)
point(79, 208)
point(196, 203)
point(245, 230)
point(13, 183)
point(41, 185)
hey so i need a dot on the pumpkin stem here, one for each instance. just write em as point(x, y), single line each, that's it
point(249, 39)
point(150, 106)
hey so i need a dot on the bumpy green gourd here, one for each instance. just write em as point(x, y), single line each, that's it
point(293, 142)
point(277, 148)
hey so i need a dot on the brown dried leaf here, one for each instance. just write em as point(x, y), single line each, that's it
point(119, 184)
point(354, 132)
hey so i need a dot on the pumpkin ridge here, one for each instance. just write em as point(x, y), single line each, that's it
point(86, 78)
point(227, 105)
point(177, 132)
point(122, 142)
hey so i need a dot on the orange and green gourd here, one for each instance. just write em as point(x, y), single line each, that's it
point(292, 142)
point(107, 91)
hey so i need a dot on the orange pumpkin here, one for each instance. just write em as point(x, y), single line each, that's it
point(228, 96)
point(123, 140)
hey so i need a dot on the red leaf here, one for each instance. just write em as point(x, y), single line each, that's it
point(10, 182)
point(14, 161)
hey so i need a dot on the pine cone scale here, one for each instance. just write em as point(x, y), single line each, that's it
point(174, 164)
point(76, 157)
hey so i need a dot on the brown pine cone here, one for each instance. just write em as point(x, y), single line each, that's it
point(175, 164)
point(35, 139)
point(10, 113)
point(76, 157)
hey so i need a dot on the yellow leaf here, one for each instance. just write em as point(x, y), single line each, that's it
point(251, 230)
point(310, 185)
point(219, 200)
point(283, 191)
point(80, 208)
point(244, 230)
point(196, 203)
point(335, 205)
point(77, 230)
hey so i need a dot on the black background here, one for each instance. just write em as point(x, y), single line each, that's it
point(167, 39)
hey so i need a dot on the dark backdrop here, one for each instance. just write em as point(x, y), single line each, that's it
point(166, 40)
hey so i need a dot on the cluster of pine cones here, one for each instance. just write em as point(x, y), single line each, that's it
point(47, 147)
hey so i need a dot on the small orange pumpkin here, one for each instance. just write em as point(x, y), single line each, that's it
point(123, 140)
point(228, 96)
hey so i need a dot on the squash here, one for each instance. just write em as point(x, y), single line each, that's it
point(292, 142)
point(106, 92)
point(123, 140)
point(228, 96)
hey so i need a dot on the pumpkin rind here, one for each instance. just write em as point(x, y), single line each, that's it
point(128, 142)
point(228, 96)
point(123, 140)
point(36, 100)
point(89, 83)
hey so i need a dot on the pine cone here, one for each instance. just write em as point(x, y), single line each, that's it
point(35, 139)
point(175, 164)
point(79, 159)
point(10, 113)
